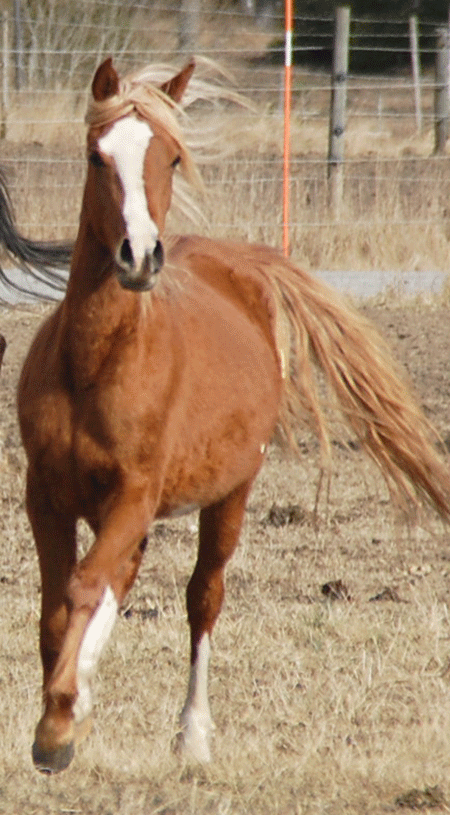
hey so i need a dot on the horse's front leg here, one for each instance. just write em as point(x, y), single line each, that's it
point(96, 587)
point(220, 525)
point(54, 535)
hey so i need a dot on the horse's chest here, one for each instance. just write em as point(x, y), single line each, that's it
point(73, 445)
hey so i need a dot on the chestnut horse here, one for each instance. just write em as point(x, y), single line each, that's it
point(154, 389)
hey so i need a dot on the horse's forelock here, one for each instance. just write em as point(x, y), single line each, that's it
point(140, 93)
point(150, 104)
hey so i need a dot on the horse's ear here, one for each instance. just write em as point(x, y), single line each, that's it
point(106, 81)
point(176, 86)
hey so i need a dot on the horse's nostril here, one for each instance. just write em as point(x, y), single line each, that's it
point(126, 253)
point(158, 255)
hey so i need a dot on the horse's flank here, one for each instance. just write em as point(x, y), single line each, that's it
point(313, 325)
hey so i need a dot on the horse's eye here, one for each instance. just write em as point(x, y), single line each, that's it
point(176, 162)
point(96, 159)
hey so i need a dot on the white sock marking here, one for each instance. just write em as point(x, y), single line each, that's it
point(127, 144)
point(94, 640)
point(196, 716)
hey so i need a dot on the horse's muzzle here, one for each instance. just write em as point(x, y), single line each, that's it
point(145, 277)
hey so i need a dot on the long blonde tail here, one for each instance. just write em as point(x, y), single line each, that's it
point(371, 391)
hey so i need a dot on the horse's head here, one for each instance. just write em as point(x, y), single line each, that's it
point(134, 145)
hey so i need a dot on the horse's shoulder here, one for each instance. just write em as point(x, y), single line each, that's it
point(235, 273)
point(236, 270)
point(43, 347)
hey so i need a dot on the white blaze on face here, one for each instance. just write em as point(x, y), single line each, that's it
point(196, 717)
point(126, 143)
point(94, 640)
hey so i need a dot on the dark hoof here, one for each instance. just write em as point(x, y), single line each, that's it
point(53, 761)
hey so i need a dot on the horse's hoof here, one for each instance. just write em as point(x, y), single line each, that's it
point(53, 761)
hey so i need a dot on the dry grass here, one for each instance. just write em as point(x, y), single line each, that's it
point(393, 216)
point(394, 213)
point(320, 707)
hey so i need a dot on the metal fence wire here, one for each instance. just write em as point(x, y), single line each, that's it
point(394, 185)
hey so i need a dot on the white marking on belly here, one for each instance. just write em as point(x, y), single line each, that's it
point(196, 716)
point(127, 144)
point(94, 640)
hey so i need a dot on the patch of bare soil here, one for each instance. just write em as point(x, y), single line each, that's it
point(324, 700)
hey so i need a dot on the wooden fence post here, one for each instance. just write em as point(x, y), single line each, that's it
point(188, 26)
point(5, 74)
point(18, 46)
point(415, 65)
point(336, 141)
point(441, 101)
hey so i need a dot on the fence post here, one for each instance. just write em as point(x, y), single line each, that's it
point(336, 140)
point(188, 26)
point(441, 90)
point(289, 9)
point(18, 46)
point(415, 65)
point(5, 74)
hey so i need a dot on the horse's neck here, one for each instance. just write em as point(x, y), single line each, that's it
point(97, 311)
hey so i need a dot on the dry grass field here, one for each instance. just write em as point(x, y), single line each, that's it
point(323, 706)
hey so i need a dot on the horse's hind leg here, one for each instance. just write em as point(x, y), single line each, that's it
point(220, 525)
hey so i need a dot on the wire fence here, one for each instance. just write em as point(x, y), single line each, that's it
point(396, 191)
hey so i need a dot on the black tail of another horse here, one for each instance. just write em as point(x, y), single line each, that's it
point(43, 261)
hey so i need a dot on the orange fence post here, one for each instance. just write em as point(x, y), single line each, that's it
point(287, 121)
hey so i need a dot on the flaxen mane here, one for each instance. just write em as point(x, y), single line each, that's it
point(138, 94)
